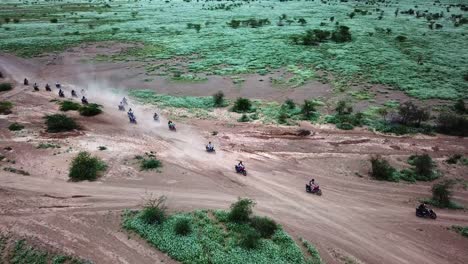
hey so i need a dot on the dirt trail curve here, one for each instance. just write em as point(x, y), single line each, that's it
point(356, 218)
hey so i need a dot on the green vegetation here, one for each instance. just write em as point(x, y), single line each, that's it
point(17, 171)
point(19, 252)
point(5, 107)
point(60, 123)
point(190, 102)
point(423, 169)
point(421, 53)
point(90, 110)
point(442, 194)
point(15, 127)
point(154, 211)
point(5, 87)
point(462, 230)
point(69, 106)
point(242, 105)
point(84, 167)
point(316, 259)
point(218, 99)
point(47, 145)
point(457, 158)
point(345, 118)
point(210, 237)
point(150, 164)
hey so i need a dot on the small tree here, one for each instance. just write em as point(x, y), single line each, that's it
point(381, 169)
point(302, 21)
point(412, 114)
point(241, 210)
point(308, 108)
point(341, 34)
point(452, 124)
point(86, 167)
point(154, 211)
point(54, 20)
point(459, 106)
point(218, 99)
point(242, 105)
point(289, 104)
point(442, 192)
point(423, 165)
point(342, 108)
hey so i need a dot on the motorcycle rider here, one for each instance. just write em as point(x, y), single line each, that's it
point(241, 166)
point(47, 87)
point(84, 100)
point(73, 93)
point(171, 124)
point(36, 87)
point(124, 100)
point(26, 82)
point(61, 94)
point(312, 184)
point(121, 107)
point(156, 116)
point(210, 146)
point(423, 208)
point(57, 85)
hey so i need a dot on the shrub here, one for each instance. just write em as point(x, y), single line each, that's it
point(242, 105)
point(341, 34)
point(85, 167)
point(90, 110)
point(15, 127)
point(60, 123)
point(154, 211)
point(150, 164)
point(243, 118)
point(342, 108)
point(423, 165)
point(5, 87)
point(241, 210)
point(454, 159)
point(412, 114)
point(282, 116)
point(218, 99)
point(381, 170)
point(308, 109)
point(459, 107)
point(5, 107)
point(250, 239)
point(441, 193)
point(461, 230)
point(54, 20)
point(69, 106)
point(452, 124)
point(265, 227)
point(289, 104)
point(401, 38)
point(183, 227)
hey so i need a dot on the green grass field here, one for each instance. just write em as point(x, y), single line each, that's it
point(398, 50)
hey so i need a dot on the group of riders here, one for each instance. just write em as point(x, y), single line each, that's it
point(60, 92)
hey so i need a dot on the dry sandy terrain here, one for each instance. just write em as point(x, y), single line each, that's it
point(355, 218)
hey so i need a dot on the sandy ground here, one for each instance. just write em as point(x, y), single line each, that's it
point(356, 218)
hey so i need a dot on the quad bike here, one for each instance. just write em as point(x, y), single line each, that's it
point(84, 101)
point(121, 107)
point(210, 150)
point(241, 170)
point(58, 85)
point(61, 94)
point(426, 213)
point(316, 190)
point(36, 88)
point(47, 88)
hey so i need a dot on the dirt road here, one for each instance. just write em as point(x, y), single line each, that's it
point(356, 218)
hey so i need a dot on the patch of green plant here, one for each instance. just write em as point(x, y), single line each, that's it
point(314, 254)
point(5, 107)
point(154, 211)
point(243, 118)
point(149, 96)
point(214, 239)
point(150, 164)
point(362, 95)
point(69, 106)
point(423, 167)
point(90, 110)
point(218, 99)
point(183, 227)
point(382, 170)
point(442, 194)
point(85, 167)
point(47, 145)
point(5, 87)
point(60, 123)
point(17, 171)
point(188, 78)
point(242, 105)
point(15, 127)
point(462, 230)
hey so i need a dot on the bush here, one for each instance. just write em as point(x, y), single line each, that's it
point(5, 87)
point(423, 165)
point(60, 123)
point(308, 109)
point(454, 159)
point(242, 105)
point(69, 106)
point(265, 227)
point(90, 110)
point(243, 118)
point(150, 164)
point(85, 167)
point(15, 127)
point(183, 227)
point(54, 20)
point(5, 107)
point(218, 99)
point(154, 211)
point(461, 230)
point(441, 193)
point(341, 34)
point(289, 104)
point(452, 124)
point(460, 107)
point(381, 170)
point(250, 239)
point(412, 114)
point(241, 210)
